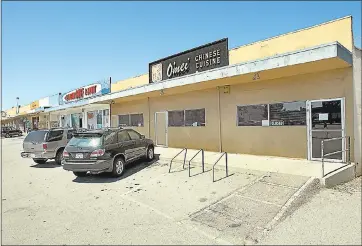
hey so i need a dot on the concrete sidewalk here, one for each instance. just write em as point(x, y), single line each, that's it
point(252, 162)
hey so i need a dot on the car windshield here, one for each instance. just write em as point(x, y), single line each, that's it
point(85, 141)
point(36, 137)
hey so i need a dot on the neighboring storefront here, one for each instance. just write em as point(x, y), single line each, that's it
point(75, 111)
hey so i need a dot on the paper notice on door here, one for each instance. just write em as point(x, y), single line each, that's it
point(323, 116)
point(265, 122)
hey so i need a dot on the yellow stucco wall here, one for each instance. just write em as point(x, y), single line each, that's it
point(288, 141)
point(337, 30)
point(128, 83)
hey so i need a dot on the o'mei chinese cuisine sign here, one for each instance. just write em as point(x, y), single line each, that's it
point(199, 59)
point(82, 93)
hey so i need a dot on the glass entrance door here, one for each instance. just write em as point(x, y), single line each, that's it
point(326, 121)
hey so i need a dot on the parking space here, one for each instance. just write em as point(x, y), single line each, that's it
point(147, 205)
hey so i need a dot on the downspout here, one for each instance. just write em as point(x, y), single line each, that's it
point(219, 118)
point(149, 117)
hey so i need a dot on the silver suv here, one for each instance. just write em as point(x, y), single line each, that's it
point(42, 145)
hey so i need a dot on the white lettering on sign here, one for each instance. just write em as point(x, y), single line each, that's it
point(277, 123)
point(174, 70)
point(208, 59)
point(82, 93)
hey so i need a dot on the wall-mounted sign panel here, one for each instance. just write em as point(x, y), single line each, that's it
point(97, 89)
point(34, 105)
point(199, 59)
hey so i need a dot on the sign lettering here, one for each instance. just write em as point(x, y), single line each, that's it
point(82, 93)
point(199, 59)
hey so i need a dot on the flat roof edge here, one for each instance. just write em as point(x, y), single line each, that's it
point(316, 53)
point(291, 32)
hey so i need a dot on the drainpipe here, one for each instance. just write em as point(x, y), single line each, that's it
point(149, 117)
point(219, 118)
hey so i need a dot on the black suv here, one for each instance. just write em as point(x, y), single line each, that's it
point(105, 150)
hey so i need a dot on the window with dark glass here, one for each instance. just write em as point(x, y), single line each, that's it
point(110, 138)
point(56, 135)
point(123, 120)
point(195, 117)
point(137, 120)
point(288, 114)
point(176, 118)
point(134, 135)
point(252, 115)
point(123, 136)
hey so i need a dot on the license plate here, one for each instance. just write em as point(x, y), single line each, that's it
point(32, 155)
point(79, 155)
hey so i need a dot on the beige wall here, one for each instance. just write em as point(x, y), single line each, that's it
point(357, 84)
point(205, 137)
point(133, 107)
point(288, 141)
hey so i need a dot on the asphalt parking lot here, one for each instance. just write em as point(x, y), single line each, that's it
point(43, 204)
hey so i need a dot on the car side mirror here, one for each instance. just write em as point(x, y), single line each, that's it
point(143, 137)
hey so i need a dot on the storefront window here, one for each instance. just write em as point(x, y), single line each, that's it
point(176, 118)
point(195, 117)
point(252, 115)
point(136, 120)
point(286, 114)
point(123, 120)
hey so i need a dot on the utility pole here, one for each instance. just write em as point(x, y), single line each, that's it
point(17, 105)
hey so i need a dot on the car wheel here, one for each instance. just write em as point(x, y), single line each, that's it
point(58, 157)
point(40, 161)
point(80, 174)
point(118, 167)
point(150, 153)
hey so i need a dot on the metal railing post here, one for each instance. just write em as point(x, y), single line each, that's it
point(349, 150)
point(226, 163)
point(322, 155)
point(189, 168)
point(203, 161)
point(183, 167)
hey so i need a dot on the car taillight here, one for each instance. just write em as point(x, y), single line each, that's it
point(97, 153)
point(45, 146)
point(65, 154)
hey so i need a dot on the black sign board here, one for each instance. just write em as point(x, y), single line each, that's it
point(206, 57)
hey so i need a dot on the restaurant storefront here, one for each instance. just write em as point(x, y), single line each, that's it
point(280, 100)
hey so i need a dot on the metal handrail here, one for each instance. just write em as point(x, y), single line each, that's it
point(226, 165)
point(344, 149)
point(183, 166)
point(203, 163)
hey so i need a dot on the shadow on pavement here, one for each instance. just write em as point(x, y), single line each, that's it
point(48, 164)
point(216, 180)
point(131, 169)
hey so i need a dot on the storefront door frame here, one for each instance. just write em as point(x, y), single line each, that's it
point(310, 130)
point(166, 128)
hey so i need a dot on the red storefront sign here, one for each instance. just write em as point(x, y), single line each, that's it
point(82, 93)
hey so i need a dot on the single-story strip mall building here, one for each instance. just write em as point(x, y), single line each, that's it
point(279, 97)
